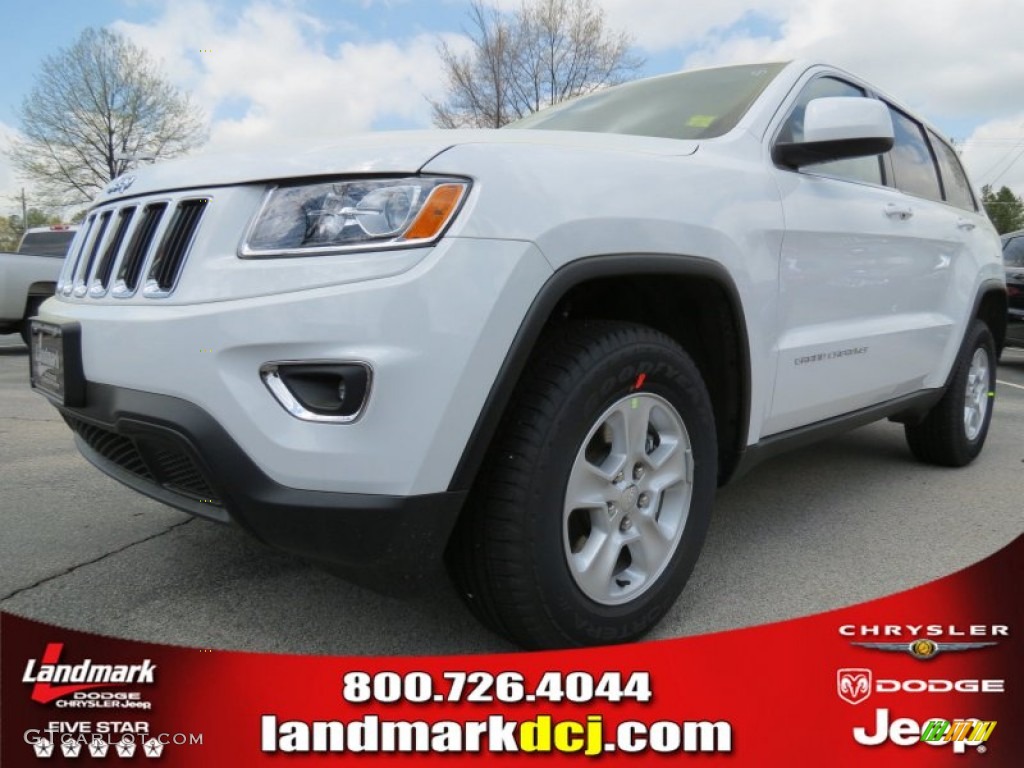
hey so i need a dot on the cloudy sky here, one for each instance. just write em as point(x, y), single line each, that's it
point(267, 69)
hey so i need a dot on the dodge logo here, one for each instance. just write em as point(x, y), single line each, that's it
point(853, 685)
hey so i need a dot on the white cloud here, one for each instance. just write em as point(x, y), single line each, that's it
point(955, 60)
point(657, 25)
point(662, 24)
point(958, 58)
point(268, 74)
point(994, 153)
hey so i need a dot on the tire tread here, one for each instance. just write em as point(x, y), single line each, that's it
point(939, 438)
point(490, 550)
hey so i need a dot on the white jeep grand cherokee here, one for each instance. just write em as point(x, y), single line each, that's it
point(537, 350)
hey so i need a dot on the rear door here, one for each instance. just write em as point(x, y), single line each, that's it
point(865, 273)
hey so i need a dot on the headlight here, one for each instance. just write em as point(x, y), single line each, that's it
point(357, 214)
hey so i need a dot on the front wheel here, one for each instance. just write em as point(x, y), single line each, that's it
point(594, 500)
point(953, 432)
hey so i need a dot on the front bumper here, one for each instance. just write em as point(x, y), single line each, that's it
point(435, 337)
point(175, 405)
point(177, 453)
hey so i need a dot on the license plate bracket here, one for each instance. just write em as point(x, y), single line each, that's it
point(55, 362)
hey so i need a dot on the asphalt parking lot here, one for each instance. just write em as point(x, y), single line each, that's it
point(841, 522)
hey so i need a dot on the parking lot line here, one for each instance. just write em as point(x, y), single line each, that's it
point(1008, 384)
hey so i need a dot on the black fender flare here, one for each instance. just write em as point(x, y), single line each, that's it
point(551, 293)
point(986, 288)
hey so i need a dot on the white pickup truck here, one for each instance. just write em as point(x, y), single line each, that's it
point(28, 277)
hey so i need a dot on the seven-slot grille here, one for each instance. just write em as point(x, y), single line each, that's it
point(132, 246)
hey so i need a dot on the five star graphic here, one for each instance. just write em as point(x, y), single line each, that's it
point(125, 748)
point(43, 748)
point(71, 748)
point(153, 748)
point(98, 747)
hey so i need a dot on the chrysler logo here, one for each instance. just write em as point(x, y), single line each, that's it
point(853, 685)
point(923, 648)
point(120, 184)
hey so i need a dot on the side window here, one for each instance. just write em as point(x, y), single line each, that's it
point(1013, 252)
point(866, 169)
point(913, 166)
point(954, 180)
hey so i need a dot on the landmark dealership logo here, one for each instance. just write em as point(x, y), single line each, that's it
point(51, 680)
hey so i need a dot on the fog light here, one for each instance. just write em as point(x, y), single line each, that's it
point(323, 391)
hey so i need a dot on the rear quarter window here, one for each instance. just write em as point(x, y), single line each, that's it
point(954, 180)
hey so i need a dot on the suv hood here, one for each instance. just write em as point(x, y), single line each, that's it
point(397, 152)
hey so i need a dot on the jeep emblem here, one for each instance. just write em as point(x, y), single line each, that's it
point(120, 184)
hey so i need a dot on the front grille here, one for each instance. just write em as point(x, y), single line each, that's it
point(73, 262)
point(156, 459)
point(89, 251)
point(170, 256)
point(140, 244)
point(101, 277)
point(131, 264)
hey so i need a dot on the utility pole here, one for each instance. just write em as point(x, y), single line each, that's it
point(24, 213)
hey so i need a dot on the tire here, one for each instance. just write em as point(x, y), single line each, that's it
point(953, 432)
point(31, 310)
point(520, 553)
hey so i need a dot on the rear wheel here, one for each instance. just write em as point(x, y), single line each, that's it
point(595, 497)
point(954, 431)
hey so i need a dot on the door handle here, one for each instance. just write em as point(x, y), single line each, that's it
point(966, 224)
point(901, 212)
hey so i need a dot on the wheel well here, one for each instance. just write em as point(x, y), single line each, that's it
point(694, 311)
point(992, 311)
point(692, 300)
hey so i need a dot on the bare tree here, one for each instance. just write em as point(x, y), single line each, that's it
point(95, 111)
point(545, 52)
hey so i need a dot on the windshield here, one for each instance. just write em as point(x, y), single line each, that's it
point(47, 243)
point(690, 105)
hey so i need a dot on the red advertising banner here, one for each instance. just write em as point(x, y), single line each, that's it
point(930, 677)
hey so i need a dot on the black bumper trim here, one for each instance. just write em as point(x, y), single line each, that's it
point(149, 488)
point(379, 540)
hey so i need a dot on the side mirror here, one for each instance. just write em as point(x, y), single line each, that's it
point(837, 128)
